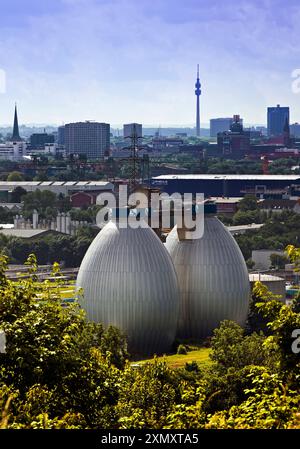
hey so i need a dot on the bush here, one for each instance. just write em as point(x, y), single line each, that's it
point(181, 349)
point(192, 366)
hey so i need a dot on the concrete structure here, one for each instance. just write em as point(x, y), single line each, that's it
point(261, 258)
point(39, 140)
point(2, 342)
point(241, 229)
point(131, 128)
point(61, 135)
point(13, 151)
point(129, 281)
point(226, 205)
point(49, 149)
point(278, 205)
point(275, 284)
point(16, 149)
point(62, 224)
point(219, 125)
point(27, 233)
point(235, 143)
point(166, 143)
point(295, 129)
point(91, 139)
point(212, 278)
point(277, 117)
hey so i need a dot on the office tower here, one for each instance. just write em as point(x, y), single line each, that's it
point(87, 138)
point(130, 128)
point(39, 140)
point(198, 93)
point(295, 129)
point(61, 135)
point(219, 125)
point(277, 117)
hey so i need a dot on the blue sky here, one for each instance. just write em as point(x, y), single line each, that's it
point(135, 60)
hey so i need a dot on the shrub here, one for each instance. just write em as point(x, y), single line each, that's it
point(181, 349)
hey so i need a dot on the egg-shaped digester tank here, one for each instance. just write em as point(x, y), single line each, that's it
point(129, 281)
point(212, 277)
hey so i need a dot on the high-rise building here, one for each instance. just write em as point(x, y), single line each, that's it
point(61, 135)
point(89, 138)
point(219, 125)
point(235, 143)
point(131, 128)
point(295, 129)
point(277, 117)
point(198, 93)
point(39, 140)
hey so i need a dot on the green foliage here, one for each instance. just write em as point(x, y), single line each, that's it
point(256, 321)
point(294, 255)
point(17, 194)
point(246, 217)
point(48, 249)
point(147, 394)
point(231, 348)
point(45, 202)
point(279, 230)
point(248, 203)
point(6, 216)
point(58, 367)
point(181, 349)
point(61, 371)
point(269, 405)
point(278, 261)
point(15, 176)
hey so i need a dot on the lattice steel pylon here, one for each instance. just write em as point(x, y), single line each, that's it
point(133, 159)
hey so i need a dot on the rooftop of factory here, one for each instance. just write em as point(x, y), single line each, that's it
point(254, 277)
point(231, 177)
point(54, 183)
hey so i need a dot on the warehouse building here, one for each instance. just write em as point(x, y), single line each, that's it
point(262, 186)
point(57, 187)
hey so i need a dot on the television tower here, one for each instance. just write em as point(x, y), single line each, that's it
point(198, 93)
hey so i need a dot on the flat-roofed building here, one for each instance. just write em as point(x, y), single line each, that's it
point(91, 139)
point(57, 187)
point(216, 185)
point(130, 128)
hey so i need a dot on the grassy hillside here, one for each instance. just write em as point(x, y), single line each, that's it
point(199, 355)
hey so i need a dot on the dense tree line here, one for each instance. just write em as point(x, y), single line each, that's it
point(67, 249)
point(61, 371)
point(42, 168)
point(279, 230)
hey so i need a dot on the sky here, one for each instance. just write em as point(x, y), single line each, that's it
point(119, 61)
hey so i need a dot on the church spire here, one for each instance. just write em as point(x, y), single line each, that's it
point(16, 136)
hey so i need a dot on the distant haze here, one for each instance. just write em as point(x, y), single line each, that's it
point(123, 61)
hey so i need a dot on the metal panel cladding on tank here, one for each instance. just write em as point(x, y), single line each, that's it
point(129, 281)
point(212, 277)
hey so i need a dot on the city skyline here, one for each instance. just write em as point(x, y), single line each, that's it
point(93, 60)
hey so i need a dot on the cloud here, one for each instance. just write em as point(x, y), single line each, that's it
point(111, 60)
